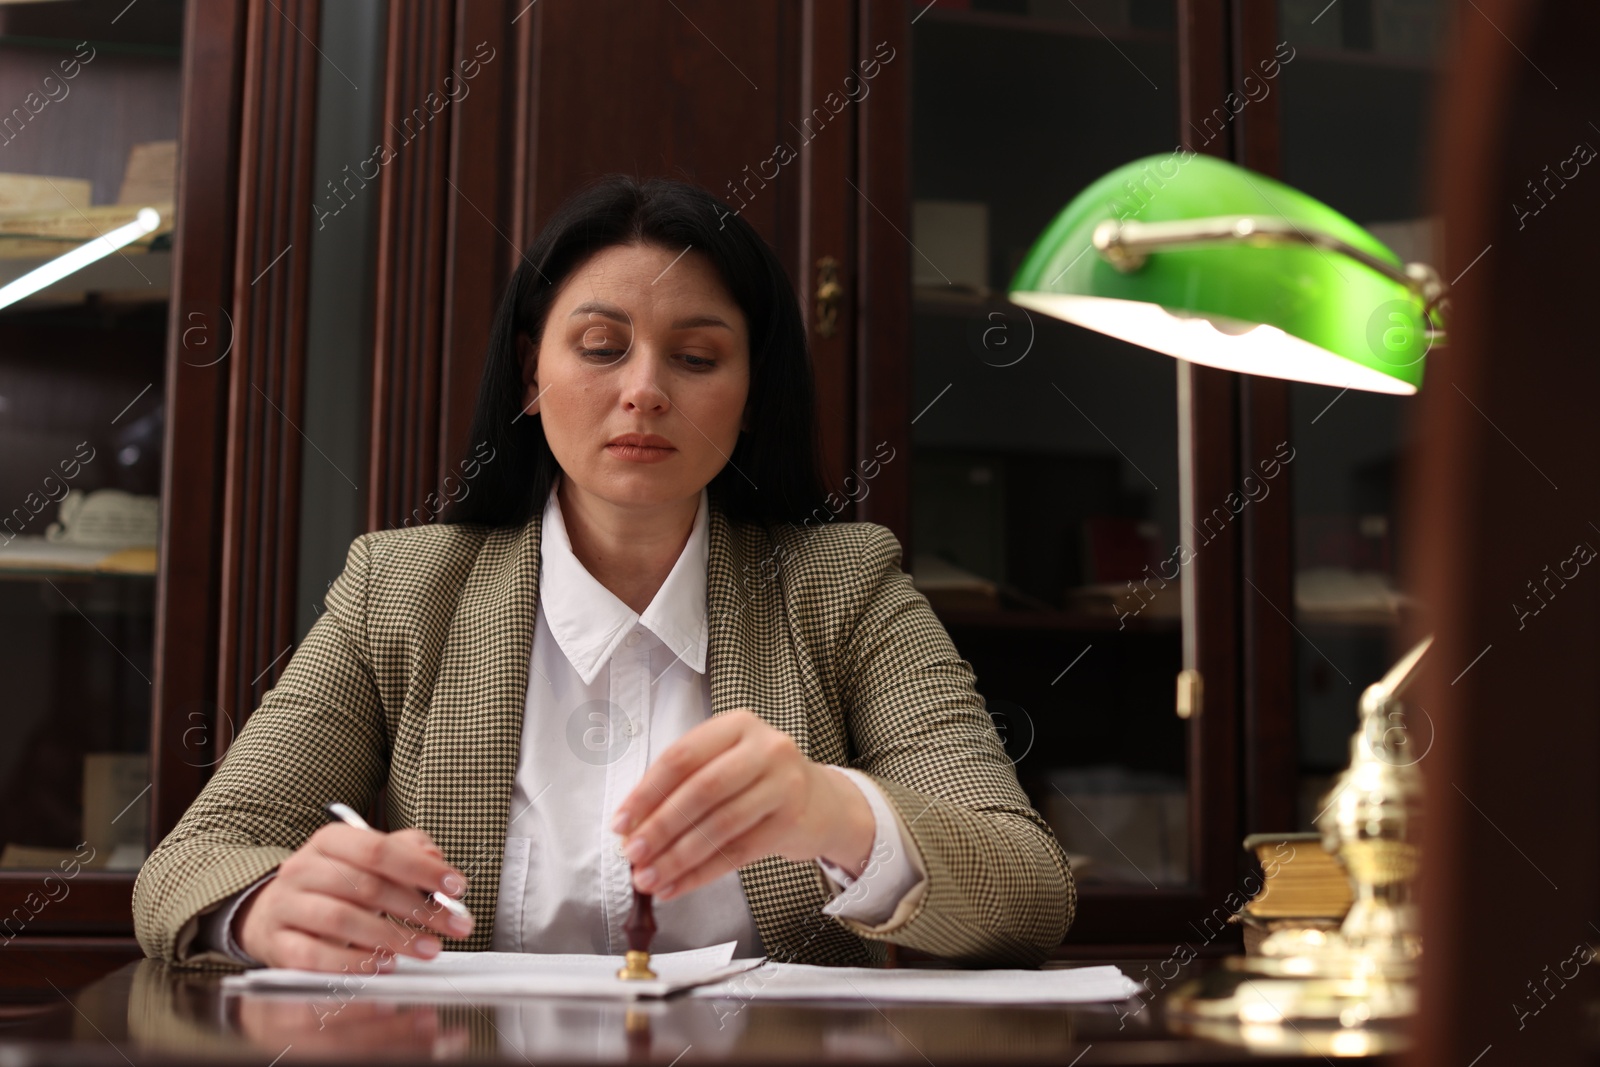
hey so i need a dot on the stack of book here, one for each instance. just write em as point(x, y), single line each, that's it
point(1303, 886)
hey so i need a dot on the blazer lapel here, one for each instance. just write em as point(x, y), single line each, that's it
point(473, 737)
point(740, 593)
point(752, 665)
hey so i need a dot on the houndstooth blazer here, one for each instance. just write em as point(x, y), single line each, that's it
point(415, 677)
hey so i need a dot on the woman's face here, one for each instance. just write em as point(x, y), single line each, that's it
point(640, 340)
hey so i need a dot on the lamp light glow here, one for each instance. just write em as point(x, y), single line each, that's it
point(1213, 340)
point(145, 222)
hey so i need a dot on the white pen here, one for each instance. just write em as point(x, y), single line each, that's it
point(346, 814)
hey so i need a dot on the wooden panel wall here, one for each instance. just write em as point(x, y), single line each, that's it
point(412, 199)
point(705, 92)
point(444, 254)
point(479, 211)
point(549, 111)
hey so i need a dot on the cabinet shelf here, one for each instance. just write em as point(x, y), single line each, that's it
point(38, 558)
point(1000, 619)
point(1350, 621)
point(135, 277)
point(1353, 57)
point(957, 300)
point(1031, 24)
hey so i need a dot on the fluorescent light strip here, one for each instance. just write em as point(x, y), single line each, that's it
point(50, 273)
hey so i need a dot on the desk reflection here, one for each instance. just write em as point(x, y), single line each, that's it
point(356, 1029)
point(185, 1012)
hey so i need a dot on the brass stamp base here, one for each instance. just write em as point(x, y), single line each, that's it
point(636, 967)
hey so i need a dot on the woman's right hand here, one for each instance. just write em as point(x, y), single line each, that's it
point(325, 909)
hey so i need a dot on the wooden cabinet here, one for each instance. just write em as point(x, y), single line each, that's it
point(355, 182)
point(1036, 475)
point(1075, 449)
point(108, 634)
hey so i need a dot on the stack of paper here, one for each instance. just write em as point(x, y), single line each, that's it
point(708, 972)
point(491, 974)
point(801, 981)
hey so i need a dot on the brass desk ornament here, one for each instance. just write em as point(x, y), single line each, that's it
point(1371, 821)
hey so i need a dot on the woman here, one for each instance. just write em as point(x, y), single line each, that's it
point(635, 655)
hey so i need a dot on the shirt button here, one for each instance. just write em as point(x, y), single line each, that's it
point(633, 639)
point(632, 729)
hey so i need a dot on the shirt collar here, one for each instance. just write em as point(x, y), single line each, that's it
point(588, 621)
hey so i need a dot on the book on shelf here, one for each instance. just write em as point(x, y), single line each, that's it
point(952, 588)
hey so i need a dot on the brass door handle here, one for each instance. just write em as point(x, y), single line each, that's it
point(829, 293)
point(1190, 691)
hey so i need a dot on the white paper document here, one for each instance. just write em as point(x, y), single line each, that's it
point(705, 972)
point(494, 974)
point(803, 981)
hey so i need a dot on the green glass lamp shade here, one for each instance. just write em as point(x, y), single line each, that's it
point(1296, 308)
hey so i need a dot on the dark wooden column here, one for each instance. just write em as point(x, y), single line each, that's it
point(478, 217)
point(271, 267)
point(185, 732)
point(1208, 461)
point(829, 221)
point(1505, 487)
point(881, 201)
point(413, 200)
point(1271, 757)
point(444, 250)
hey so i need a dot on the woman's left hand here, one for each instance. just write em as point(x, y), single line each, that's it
point(729, 792)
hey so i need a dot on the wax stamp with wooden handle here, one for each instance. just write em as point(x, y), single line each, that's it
point(640, 928)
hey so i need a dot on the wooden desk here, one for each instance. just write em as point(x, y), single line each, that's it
point(147, 1013)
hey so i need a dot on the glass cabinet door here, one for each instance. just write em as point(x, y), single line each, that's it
point(1045, 474)
point(89, 119)
point(1356, 103)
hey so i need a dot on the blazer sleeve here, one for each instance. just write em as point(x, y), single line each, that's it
point(318, 735)
point(998, 889)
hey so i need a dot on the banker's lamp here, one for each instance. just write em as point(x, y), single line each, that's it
point(1209, 262)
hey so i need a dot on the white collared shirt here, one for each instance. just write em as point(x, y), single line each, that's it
point(608, 691)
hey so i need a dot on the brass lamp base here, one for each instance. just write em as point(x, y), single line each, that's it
point(636, 967)
point(1264, 1004)
point(1322, 1017)
point(1355, 985)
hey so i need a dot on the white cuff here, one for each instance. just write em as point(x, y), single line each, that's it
point(216, 928)
point(893, 870)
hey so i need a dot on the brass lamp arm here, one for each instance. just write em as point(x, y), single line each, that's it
point(1382, 696)
point(1127, 244)
point(1387, 689)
